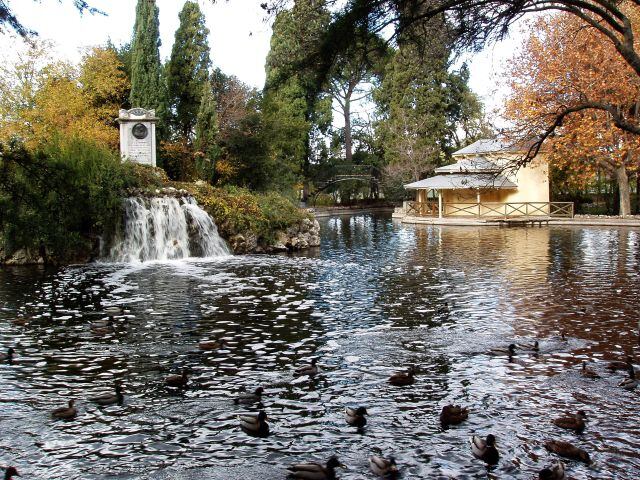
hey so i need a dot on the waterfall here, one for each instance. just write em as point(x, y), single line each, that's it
point(165, 228)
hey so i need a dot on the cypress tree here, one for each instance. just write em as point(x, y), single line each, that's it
point(188, 70)
point(206, 133)
point(146, 86)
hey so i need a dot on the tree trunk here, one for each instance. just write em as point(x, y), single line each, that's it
point(622, 180)
point(638, 193)
point(348, 141)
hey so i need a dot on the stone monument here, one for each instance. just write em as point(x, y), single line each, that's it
point(138, 135)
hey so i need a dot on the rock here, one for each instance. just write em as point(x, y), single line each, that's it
point(24, 256)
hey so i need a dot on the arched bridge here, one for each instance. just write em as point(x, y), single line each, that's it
point(345, 173)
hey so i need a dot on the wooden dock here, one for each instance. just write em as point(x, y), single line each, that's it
point(522, 222)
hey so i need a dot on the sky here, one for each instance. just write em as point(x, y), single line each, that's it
point(239, 37)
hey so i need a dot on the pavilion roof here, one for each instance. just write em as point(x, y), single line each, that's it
point(457, 181)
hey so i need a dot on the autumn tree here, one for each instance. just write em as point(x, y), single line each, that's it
point(188, 70)
point(562, 66)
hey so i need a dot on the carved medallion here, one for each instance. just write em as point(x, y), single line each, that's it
point(138, 112)
point(139, 131)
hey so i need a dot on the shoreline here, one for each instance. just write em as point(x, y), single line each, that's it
point(488, 222)
point(323, 212)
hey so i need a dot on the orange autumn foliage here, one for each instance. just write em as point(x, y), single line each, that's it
point(565, 63)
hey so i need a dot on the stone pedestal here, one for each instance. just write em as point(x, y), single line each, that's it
point(138, 135)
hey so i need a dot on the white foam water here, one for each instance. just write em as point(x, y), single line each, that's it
point(165, 228)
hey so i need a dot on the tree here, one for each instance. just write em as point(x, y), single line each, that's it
point(294, 104)
point(188, 70)
point(563, 65)
point(351, 78)
point(206, 134)
point(146, 86)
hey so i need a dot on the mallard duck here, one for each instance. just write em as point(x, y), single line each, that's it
point(631, 382)
point(255, 425)
point(177, 380)
point(208, 345)
point(485, 450)
point(315, 471)
point(7, 357)
point(616, 365)
point(530, 348)
point(309, 370)
point(565, 449)
point(110, 398)
point(553, 472)
point(572, 421)
point(247, 398)
point(356, 416)
point(11, 472)
point(400, 379)
point(102, 327)
point(510, 351)
point(65, 412)
point(383, 467)
point(453, 415)
point(588, 372)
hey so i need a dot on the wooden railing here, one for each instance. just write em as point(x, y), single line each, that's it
point(492, 209)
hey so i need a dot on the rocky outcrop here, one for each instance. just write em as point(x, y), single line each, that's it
point(304, 234)
point(23, 256)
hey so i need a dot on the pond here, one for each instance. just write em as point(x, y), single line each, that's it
point(375, 298)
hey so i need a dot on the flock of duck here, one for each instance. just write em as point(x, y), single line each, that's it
point(482, 448)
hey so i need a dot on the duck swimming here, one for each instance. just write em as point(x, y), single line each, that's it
point(530, 348)
point(572, 422)
point(309, 370)
point(567, 450)
point(553, 472)
point(248, 398)
point(631, 382)
point(315, 471)
point(383, 467)
point(588, 372)
point(179, 381)
point(510, 351)
point(208, 345)
point(356, 416)
point(485, 450)
point(400, 379)
point(453, 415)
point(110, 398)
point(65, 412)
point(7, 357)
point(11, 472)
point(255, 425)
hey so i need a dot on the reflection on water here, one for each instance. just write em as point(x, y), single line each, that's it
point(376, 297)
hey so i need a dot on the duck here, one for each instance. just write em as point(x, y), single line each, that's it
point(315, 471)
point(383, 467)
point(11, 472)
point(309, 370)
point(208, 345)
point(179, 381)
point(563, 337)
point(588, 372)
point(616, 365)
point(631, 382)
point(485, 450)
point(530, 348)
point(66, 412)
point(255, 425)
point(247, 398)
point(400, 379)
point(510, 350)
point(574, 422)
point(356, 416)
point(453, 415)
point(553, 472)
point(102, 327)
point(7, 357)
point(567, 450)
point(110, 398)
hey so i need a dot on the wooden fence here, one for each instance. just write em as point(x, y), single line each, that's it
point(492, 209)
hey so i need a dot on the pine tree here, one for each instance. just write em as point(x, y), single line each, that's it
point(188, 70)
point(146, 85)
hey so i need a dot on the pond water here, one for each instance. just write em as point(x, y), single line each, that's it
point(376, 297)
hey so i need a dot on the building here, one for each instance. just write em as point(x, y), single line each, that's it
point(483, 182)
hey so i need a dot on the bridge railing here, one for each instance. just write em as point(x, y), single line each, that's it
point(491, 209)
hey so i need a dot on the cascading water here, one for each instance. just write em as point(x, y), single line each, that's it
point(165, 228)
